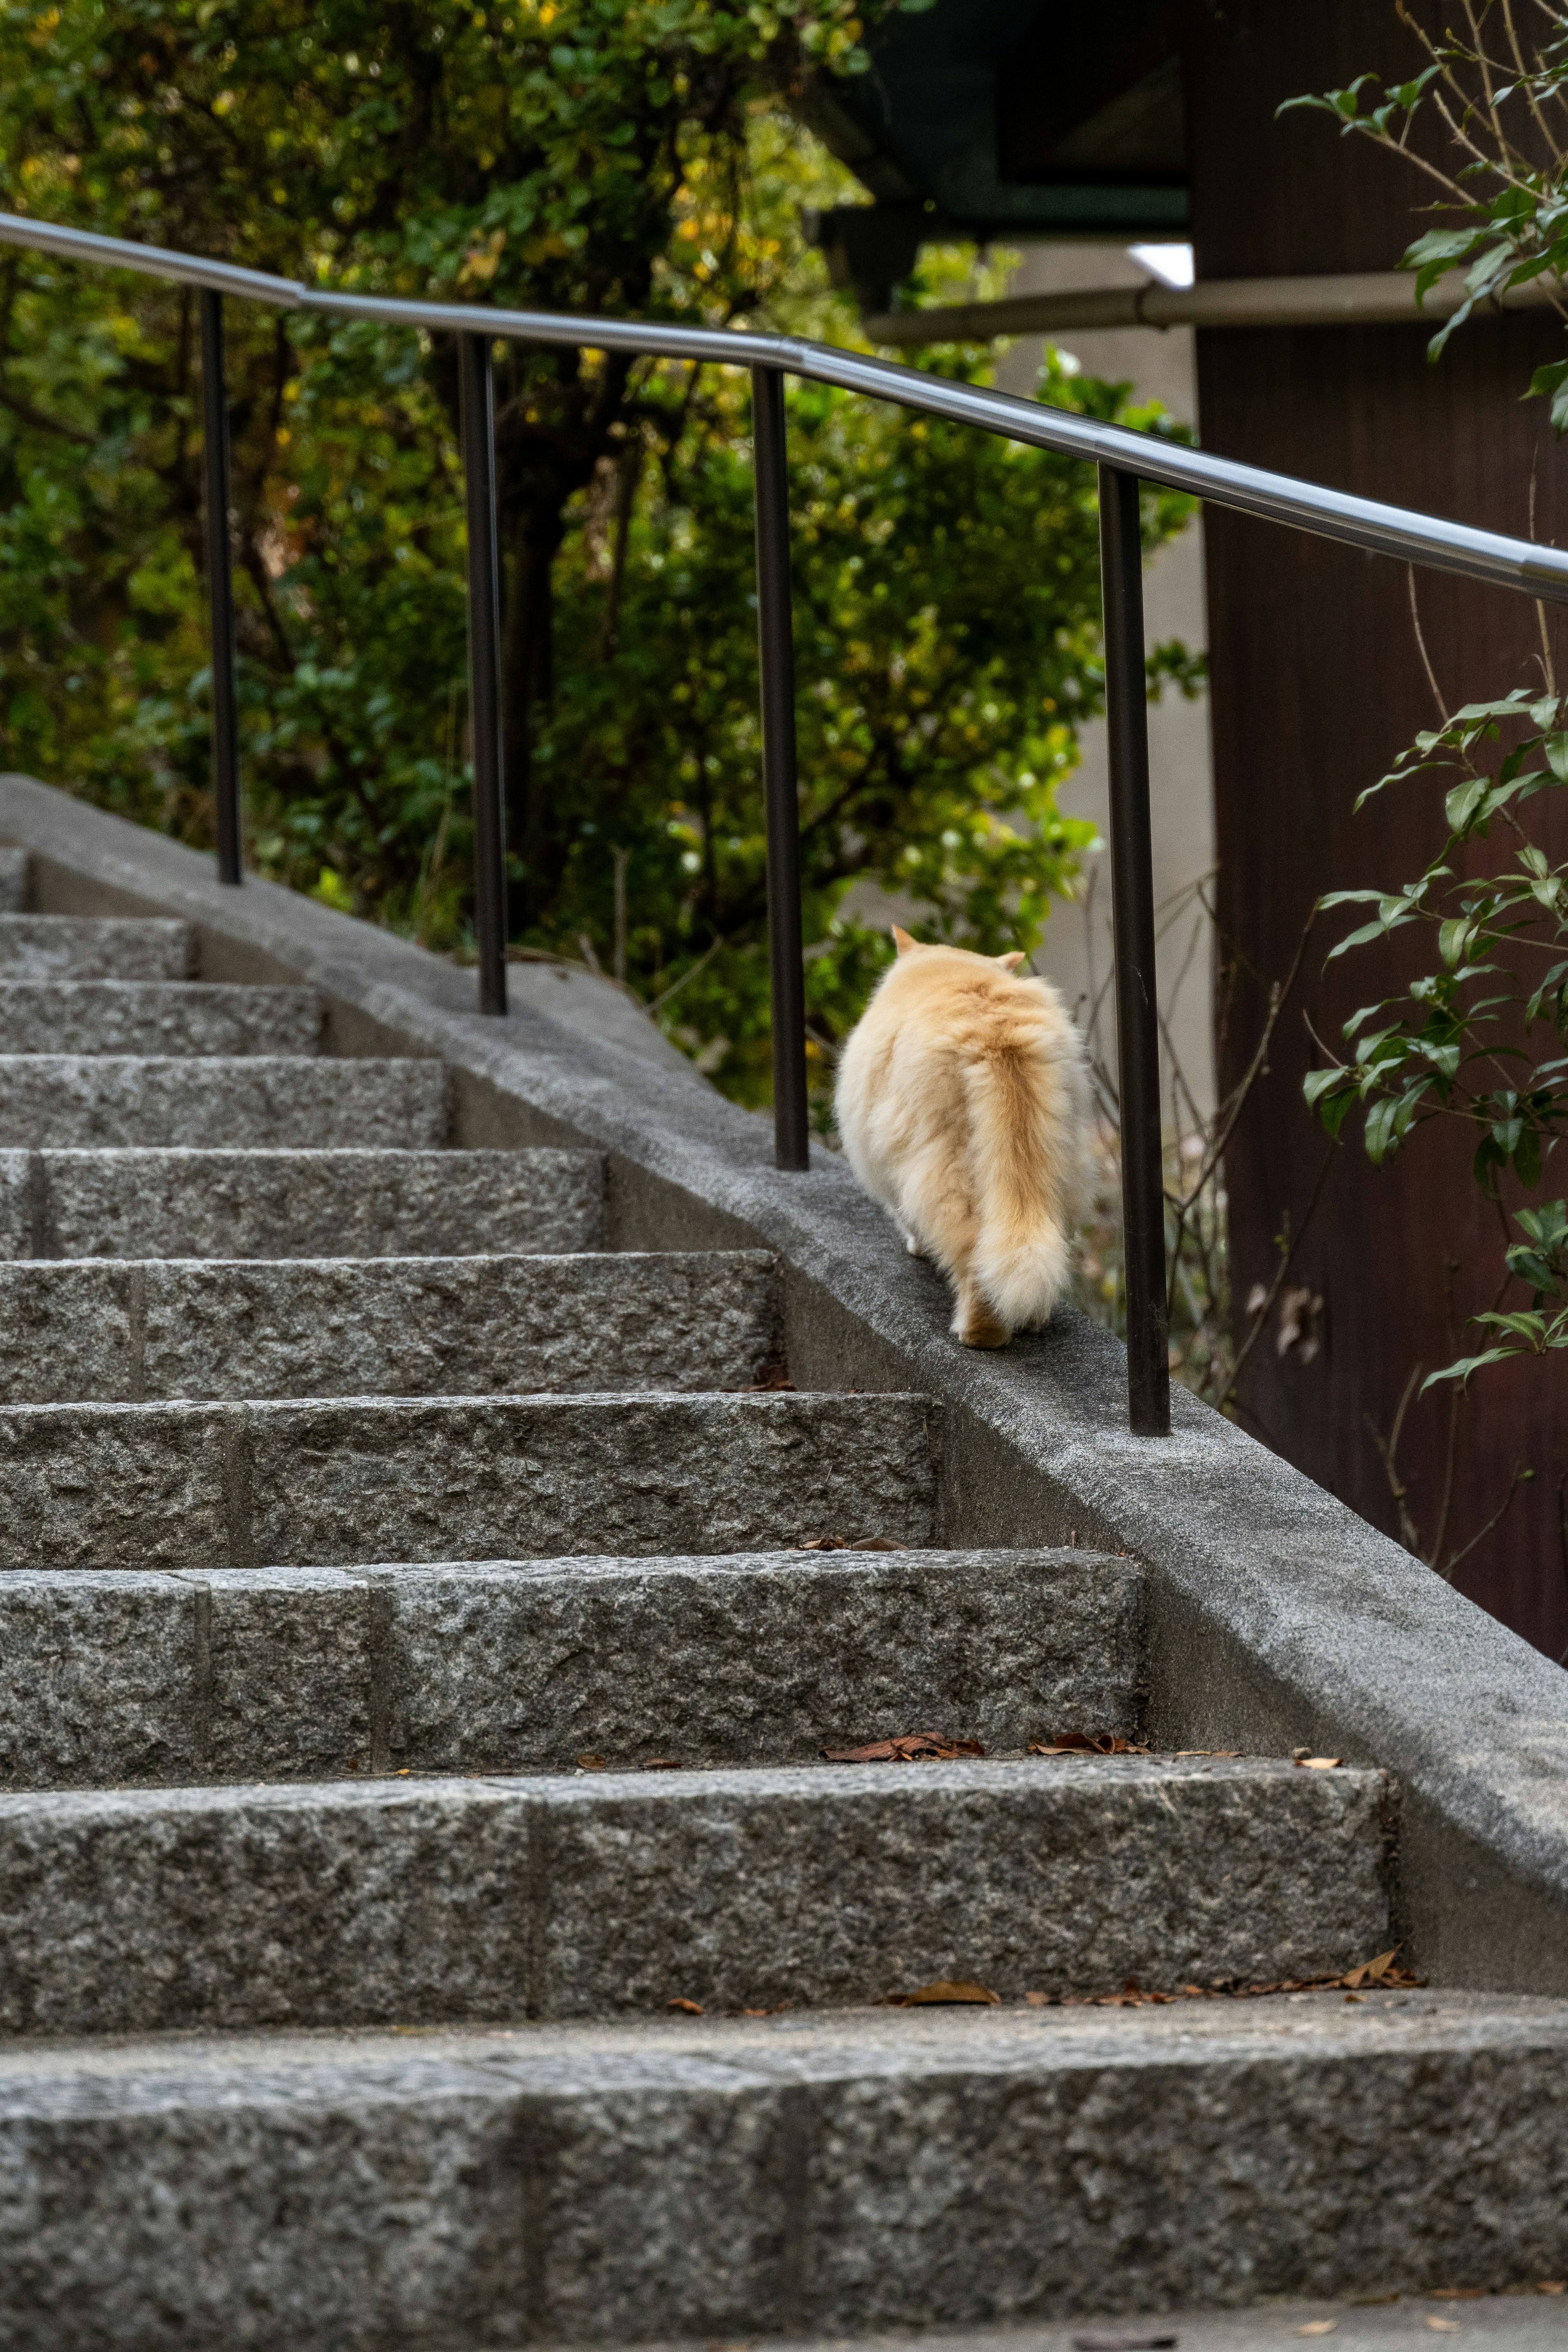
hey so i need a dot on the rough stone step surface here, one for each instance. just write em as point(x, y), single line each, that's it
point(298, 1203)
point(386, 1326)
point(157, 1016)
point(95, 947)
point(266, 1673)
point(84, 1099)
point(255, 1484)
point(720, 2178)
point(15, 881)
point(383, 1902)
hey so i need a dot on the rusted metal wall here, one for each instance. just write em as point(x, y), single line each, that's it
point(1317, 682)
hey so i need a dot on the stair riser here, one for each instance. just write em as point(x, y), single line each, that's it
point(468, 1901)
point(80, 947)
point(459, 1326)
point(163, 1485)
point(730, 2204)
point(15, 881)
point(157, 1017)
point(287, 1673)
point(83, 1100)
point(298, 1204)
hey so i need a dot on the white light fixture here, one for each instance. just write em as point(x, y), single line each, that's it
point(1171, 264)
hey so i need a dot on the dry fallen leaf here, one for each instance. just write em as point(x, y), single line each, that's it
point(661, 1764)
point(910, 1747)
point(1551, 2286)
point(1454, 2293)
point(1228, 1752)
point(592, 1763)
point(1379, 1971)
point(692, 2008)
point(945, 1989)
point(1442, 2326)
point(1086, 1743)
point(850, 1543)
point(1317, 2328)
point(1318, 1763)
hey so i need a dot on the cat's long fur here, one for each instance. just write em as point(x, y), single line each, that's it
point(962, 1104)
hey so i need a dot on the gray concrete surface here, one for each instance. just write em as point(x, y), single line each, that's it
point(1277, 1618)
point(409, 1901)
point(54, 1099)
point(45, 948)
point(264, 1483)
point(393, 1327)
point(155, 1016)
point(298, 1203)
point(723, 2180)
point(123, 1676)
point(1522, 2319)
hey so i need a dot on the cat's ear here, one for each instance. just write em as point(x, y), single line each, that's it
point(902, 940)
point(1011, 962)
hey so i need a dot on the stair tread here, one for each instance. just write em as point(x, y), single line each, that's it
point(521, 1322)
point(725, 2052)
point(284, 1202)
point(159, 1099)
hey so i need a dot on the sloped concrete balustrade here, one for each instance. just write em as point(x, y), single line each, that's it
point(405, 1445)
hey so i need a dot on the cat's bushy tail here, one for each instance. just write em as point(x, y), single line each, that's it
point(1027, 1162)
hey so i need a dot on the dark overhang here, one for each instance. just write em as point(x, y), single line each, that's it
point(1012, 119)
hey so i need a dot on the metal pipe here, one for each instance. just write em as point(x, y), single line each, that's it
point(476, 384)
point(1383, 297)
point(220, 593)
point(775, 652)
point(1133, 908)
point(1485, 555)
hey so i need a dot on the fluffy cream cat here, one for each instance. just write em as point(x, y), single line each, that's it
point(963, 1103)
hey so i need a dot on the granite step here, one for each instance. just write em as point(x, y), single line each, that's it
point(298, 1204)
point(386, 1326)
point(156, 1016)
point(475, 1900)
point(267, 1674)
point(720, 2178)
point(332, 1484)
point(95, 947)
point(249, 1099)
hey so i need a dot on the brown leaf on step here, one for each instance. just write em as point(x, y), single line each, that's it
point(1086, 1743)
point(1229, 1753)
point(1039, 2000)
point(1317, 2328)
point(661, 1764)
point(592, 1763)
point(945, 1989)
point(691, 2007)
point(910, 1747)
point(1318, 1763)
point(1551, 2286)
point(1442, 2326)
point(1372, 1971)
point(850, 1543)
point(774, 1382)
point(1457, 2294)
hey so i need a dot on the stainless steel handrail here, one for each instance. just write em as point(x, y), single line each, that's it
point(1399, 531)
point(1123, 458)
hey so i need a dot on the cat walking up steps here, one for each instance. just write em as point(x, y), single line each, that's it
point(962, 1102)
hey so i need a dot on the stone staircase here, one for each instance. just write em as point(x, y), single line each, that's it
point(424, 1916)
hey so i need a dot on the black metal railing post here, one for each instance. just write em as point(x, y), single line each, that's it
point(477, 390)
point(220, 592)
point(775, 648)
point(1132, 902)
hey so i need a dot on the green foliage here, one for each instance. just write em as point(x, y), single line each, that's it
point(566, 154)
point(1501, 107)
point(1540, 1261)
